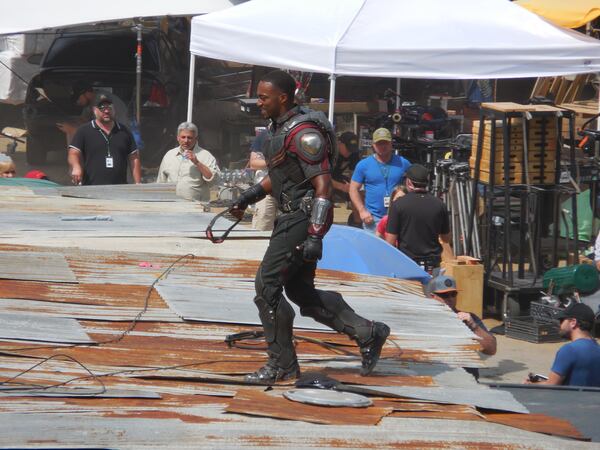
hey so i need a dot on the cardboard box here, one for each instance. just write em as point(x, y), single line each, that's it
point(468, 273)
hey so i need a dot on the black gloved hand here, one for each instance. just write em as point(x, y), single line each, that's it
point(249, 196)
point(312, 248)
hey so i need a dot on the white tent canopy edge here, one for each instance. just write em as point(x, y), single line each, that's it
point(462, 39)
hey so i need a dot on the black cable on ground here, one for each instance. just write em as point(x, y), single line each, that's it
point(129, 329)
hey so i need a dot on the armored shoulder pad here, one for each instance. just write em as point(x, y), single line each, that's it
point(310, 145)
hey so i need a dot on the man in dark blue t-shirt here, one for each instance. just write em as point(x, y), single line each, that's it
point(578, 362)
point(379, 174)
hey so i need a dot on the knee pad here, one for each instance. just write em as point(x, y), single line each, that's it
point(277, 320)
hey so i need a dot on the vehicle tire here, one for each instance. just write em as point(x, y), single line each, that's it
point(36, 151)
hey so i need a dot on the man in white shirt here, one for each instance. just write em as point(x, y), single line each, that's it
point(191, 167)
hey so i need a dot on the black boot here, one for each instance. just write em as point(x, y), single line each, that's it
point(337, 314)
point(370, 349)
point(270, 373)
point(277, 323)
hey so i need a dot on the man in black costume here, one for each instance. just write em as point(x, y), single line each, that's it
point(300, 147)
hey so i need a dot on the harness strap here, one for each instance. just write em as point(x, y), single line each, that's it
point(220, 239)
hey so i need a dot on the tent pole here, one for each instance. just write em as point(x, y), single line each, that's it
point(190, 105)
point(598, 120)
point(138, 76)
point(332, 78)
point(398, 93)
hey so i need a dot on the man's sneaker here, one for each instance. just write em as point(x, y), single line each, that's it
point(371, 349)
point(269, 374)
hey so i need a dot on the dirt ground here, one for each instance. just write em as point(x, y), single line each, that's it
point(515, 359)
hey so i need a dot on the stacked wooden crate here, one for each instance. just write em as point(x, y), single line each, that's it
point(541, 152)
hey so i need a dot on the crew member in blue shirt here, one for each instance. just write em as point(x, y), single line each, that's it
point(578, 362)
point(379, 174)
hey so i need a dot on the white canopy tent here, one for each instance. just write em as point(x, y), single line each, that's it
point(458, 39)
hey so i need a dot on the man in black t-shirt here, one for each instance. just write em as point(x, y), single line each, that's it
point(102, 149)
point(419, 222)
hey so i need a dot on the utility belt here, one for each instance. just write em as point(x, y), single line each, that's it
point(289, 206)
point(428, 263)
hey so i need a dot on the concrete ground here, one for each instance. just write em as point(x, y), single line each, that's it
point(515, 359)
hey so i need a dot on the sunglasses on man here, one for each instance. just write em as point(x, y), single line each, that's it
point(446, 294)
point(105, 107)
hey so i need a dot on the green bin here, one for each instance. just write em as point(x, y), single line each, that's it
point(581, 277)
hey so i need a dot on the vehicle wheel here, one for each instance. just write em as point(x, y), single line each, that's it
point(36, 151)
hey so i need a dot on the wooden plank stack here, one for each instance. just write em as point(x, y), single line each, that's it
point(541, 151)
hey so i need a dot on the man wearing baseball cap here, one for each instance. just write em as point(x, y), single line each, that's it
point(379, 174)
point(418, 222)
point(103, 149)
point(443, 289)
point(578, 362)
point(85, 95)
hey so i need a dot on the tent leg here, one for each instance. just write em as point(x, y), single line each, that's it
point(332, 78)
point(191, 87)
point(138, 76)
point(598, 120)
point(398, 93)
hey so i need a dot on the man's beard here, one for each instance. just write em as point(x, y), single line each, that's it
point(566, 334)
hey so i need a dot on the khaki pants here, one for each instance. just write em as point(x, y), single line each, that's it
point(264, 214)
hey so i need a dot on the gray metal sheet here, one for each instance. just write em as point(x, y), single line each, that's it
point(36, 266)
point(64, 392)
point(57, 429)
point(42, 328)
point(581, 408)
point(483, 397)
point(152, 192)
point(128, 223)
point(236, 306)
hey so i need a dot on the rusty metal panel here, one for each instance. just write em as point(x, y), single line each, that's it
point(37, 266)
point(272, 404)
point(86, 312)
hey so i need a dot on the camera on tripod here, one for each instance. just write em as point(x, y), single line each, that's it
point(460, 169)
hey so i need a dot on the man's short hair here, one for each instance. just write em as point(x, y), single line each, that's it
point(187, 126)
point(282, 81)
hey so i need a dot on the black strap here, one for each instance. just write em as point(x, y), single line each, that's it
point(209, 232)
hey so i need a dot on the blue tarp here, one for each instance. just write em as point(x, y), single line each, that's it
point(354, 250)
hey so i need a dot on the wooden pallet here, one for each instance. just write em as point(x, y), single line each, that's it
point(533, 147)
point(515, 177)
point(563, 89)
point(534, 166)
point(518, 155)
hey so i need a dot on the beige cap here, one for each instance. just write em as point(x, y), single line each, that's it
point(382, 134)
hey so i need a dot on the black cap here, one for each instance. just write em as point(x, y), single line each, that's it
point(418, 174)
point(350, 140)
point(103, 98)
point(79, 88)
point(578, 311)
